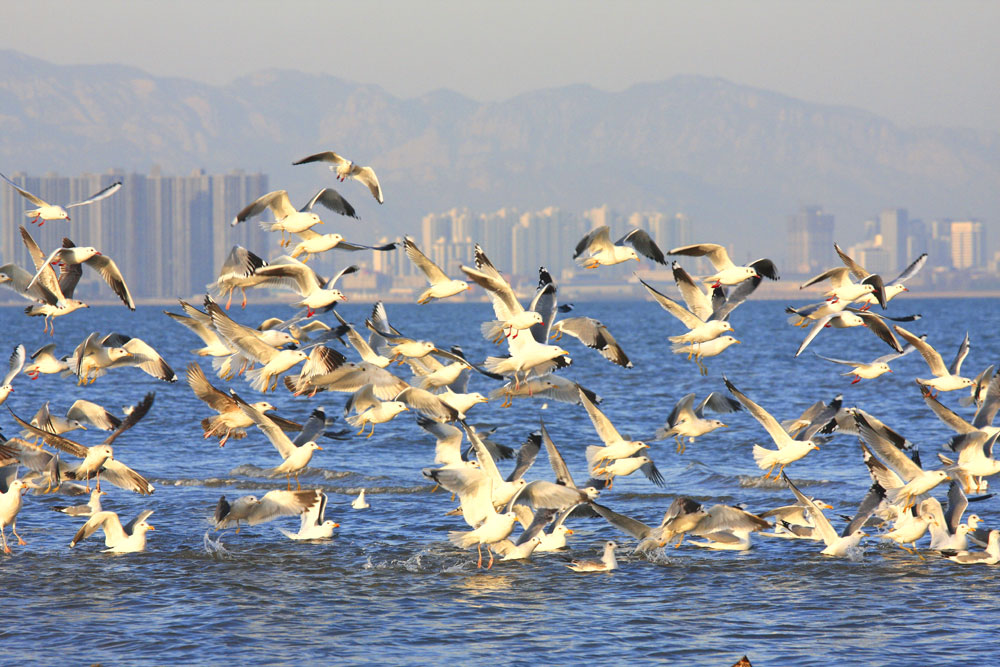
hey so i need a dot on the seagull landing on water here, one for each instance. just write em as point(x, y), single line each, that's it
point(360, 503)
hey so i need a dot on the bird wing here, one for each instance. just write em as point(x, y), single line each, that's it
point(684, 408)
point(652, 473)
point(605, 429)
point(99, 195)
point(597, 240)
point(641, 241)
point(526, 456)
point(822, 524)
point(281, 503)
point(148, 359)
point(542, 494)
point(326, 156)
point(139, 518)
point(109, 521)
point(911, 270)
point(930, 355)
point(556, 460)
point(207, 392)
point(955, 421)
point(115, 472)
point(857, 270)
point(138, 412)
point(483, 455)
point(716, 254)
point(51, 439)
point(271, 431)
point(106, 266)
point(505, 303)
point(717, 402)
point(291, 273)
point(871, 502)
point(427, 404)
point(838, 277)
point(332, 200)
point(697, 301)
point(878, 326)
point(37, 201)
point(545, 303)
point(94, 414)
point(45, 275)
point(15, 364)
point(963, 352)
point(892, 455)
point(595, 335)
point(726, 518)
point(277, 201)
point(628, 525)
point(421, 261)
point(687, 318)
point(367, 176)
point(769, 423)
point(957, 502)
point(448, 445)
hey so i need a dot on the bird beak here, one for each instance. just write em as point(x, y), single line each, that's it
point(468, 287)
point(736, 341)
point(827, 507)
point(152, 527)
point(569, 532)
point(319, 448)
point(336, 525)
point(345, 298)
point(637, 259)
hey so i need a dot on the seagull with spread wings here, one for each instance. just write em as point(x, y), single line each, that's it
point(345, 169)
point(127, 539)
point(946, 378)
point(70, 257)
point(596, 249)
point(47, 211)
point(441, 286)
point(726, 272)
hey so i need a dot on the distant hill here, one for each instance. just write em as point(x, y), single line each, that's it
point(734, 158)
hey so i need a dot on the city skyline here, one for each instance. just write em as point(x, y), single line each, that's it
point(170, 234)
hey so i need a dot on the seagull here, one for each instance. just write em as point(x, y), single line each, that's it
point(727, 273)
point(441, 286)
point(360, 503)
point(902, 479)
point(789, 449)
point(127, 539)
point(682, 516)
point(11, 490)
point(271, 506)
point(230, 421)
point(50, 299)
point(99, 458)
point(347, 169)
point(911, 529)
point(508, 309)
point(699, 330)
point(72, 256)
point(869, 370)
point(493, 529)
point(370, 410)
point(96, 355)
point(288, 219)
point(989, 557)
point(892, 288)
point(296, 455)
point(45, 362)
point(92, 507)
point(687, 421)
point(850, 318)
point(238, 272)
point(945, 378)
point(508, 550)
point(606, 564)
point(47, 211)
point(314, 524)
point(595, 249)
point(844, 289)
point(317, 293)
point(699, 351)
point(595, 335)
point(15, 364)
point(313, 243)
point(836, 545)
point(80, 413)
point(602, 458)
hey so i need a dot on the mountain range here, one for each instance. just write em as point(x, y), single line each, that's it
point(737, 160)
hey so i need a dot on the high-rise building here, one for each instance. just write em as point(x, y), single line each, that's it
point(968, 245)
point(168, 234)
point(810, 240)
point(893, 224)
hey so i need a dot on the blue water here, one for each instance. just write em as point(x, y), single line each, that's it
point(390, 588)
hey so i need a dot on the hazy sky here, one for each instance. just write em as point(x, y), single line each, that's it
point(915, 62)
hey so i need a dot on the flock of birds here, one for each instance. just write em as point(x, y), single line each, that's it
point(508, 515)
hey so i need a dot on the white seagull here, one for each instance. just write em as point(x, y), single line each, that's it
point(127, 539)
point(595, 249)
point(441, 286)
point(347, 169)
point(726, 272)
point(47, 211)
point(946, 378)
